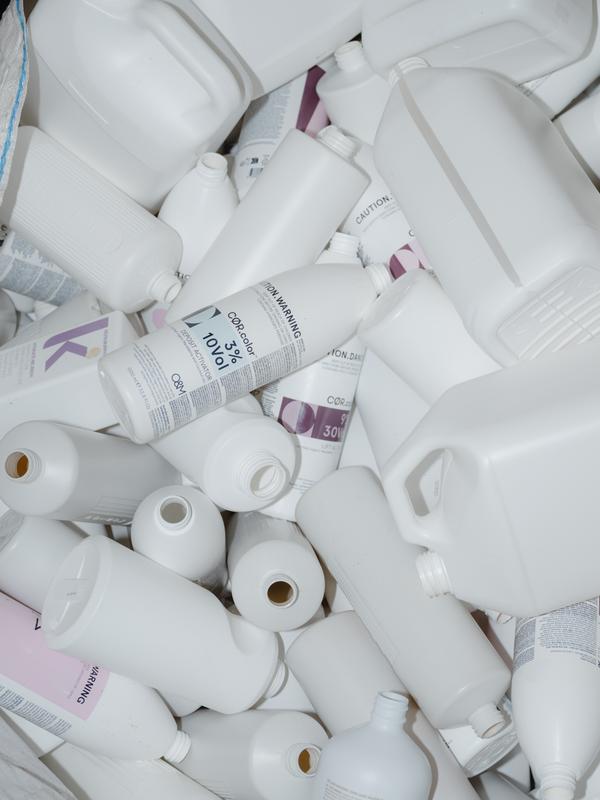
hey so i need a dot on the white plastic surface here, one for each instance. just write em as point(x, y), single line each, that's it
point(8, 318)
point(62, 472)
point(84, 307)
point(276, 228)
point(154, 625)
point(521, 266)
point(492, 786)
point(579, 126)
point(141, 120)
point(518, 465)
point(180, 528)
point(39, 740)
point(276, 579)
point(106, 241)
point(377, 574)
point(521, 39)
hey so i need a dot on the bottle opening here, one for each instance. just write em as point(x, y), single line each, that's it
point(174, 510)
point(282, 593)
point(21, 465)
point(267, 480)
point(308, 760)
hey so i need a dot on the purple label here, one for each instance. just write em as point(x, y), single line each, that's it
point(309, 419)
point(312, 116)
point(409, 256)
point(67, 345)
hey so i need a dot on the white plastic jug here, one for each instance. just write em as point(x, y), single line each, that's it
point(135, 88)
point(521, 39)
point(515, 528)
point(508, 218)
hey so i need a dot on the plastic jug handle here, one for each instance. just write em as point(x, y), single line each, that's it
point(193, 51)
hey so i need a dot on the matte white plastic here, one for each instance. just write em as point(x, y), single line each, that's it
point(276, 228)
point(579, 127)
point(180, 528)
point(9, 319)
point(198, 207)
point(516, 768)
point(31, 551)
point(163, 624)
point(241, 459)
point(521, 40)
point(81, 308)
point(492, 786)
point(106, 241)
point(137, 90)
point(95, 777)
point(378, 759)
point(357, 449)
point(276, 579)
point(517, 464)
point(61, 472)
point(59, 374)
point(503, 256)
point(37, 739)
point(256, 755)
point(555, 683)
point(220, 353)
point(377, 574)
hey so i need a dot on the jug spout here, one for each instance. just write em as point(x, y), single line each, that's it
point(433, 574)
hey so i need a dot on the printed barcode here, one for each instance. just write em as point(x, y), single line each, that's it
point(254, 171)
point(181, 410)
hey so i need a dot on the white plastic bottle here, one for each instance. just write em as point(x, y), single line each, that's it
point(241, 459)
point(378, 759)
point(198, 207)
point(61, 472)
point(180, 528)
point(492, 786)
point(579, 126)
point(137, 90)
point(58, 373)
point(314, 403)
point(9, 319)
point(106, 241)
point(275, 229)
point(25, 270)
point(354, 95)
point(518, 465)
point(221, 352)
point(266, 122)
point(165, 627)
point(376, 573)
point(276, 579)
point(502, 264)
point(555, 683)
point(521, 40)
point(357, 449)
point(82, 703)
point(31, 551)
point(256, 755)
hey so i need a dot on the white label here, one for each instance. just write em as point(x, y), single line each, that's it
point(334, 791)
point(572, 630)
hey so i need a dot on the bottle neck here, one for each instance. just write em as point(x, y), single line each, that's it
point(389, 711)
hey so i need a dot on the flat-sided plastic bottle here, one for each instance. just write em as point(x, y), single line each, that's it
point(314, 403)
point(275, 229)
point(241, 459)
point(83, 307)
point(555, 683)
point(357, 449)
point(61, 472)
point(492, 786)
point(96, 777)
point(378, 759)
point(220, 353)
point(256, 755)
point(140, 120)
point(276, 579)
point(80, 702)
point(198, 207)
point(519, 467)
point(164, 624)
point(39, 740)
point(266, 122)
point(376, 573)
point(58, 372)
point(180, 528)
point(521, 40)
point(101, 237)
point(502, 264)
point(31, 551)
point(579, 126)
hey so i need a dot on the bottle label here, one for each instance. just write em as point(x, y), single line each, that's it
point(23, 269)
point(27, 663)
point(335, 791)
point(571, 630)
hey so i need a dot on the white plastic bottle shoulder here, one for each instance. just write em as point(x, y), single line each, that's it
point(180, 528)
point(79, 701)
point(198, 207)
point(81, 308)
point(256, 755)
point(275, 229)
point(164, 625)
point(62, 472)
point(241, 459)
point(101, 237)
point(378, 759)
point(354, 94)
point(219, 353)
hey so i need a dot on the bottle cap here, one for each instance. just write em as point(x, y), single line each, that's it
point(350, 56)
